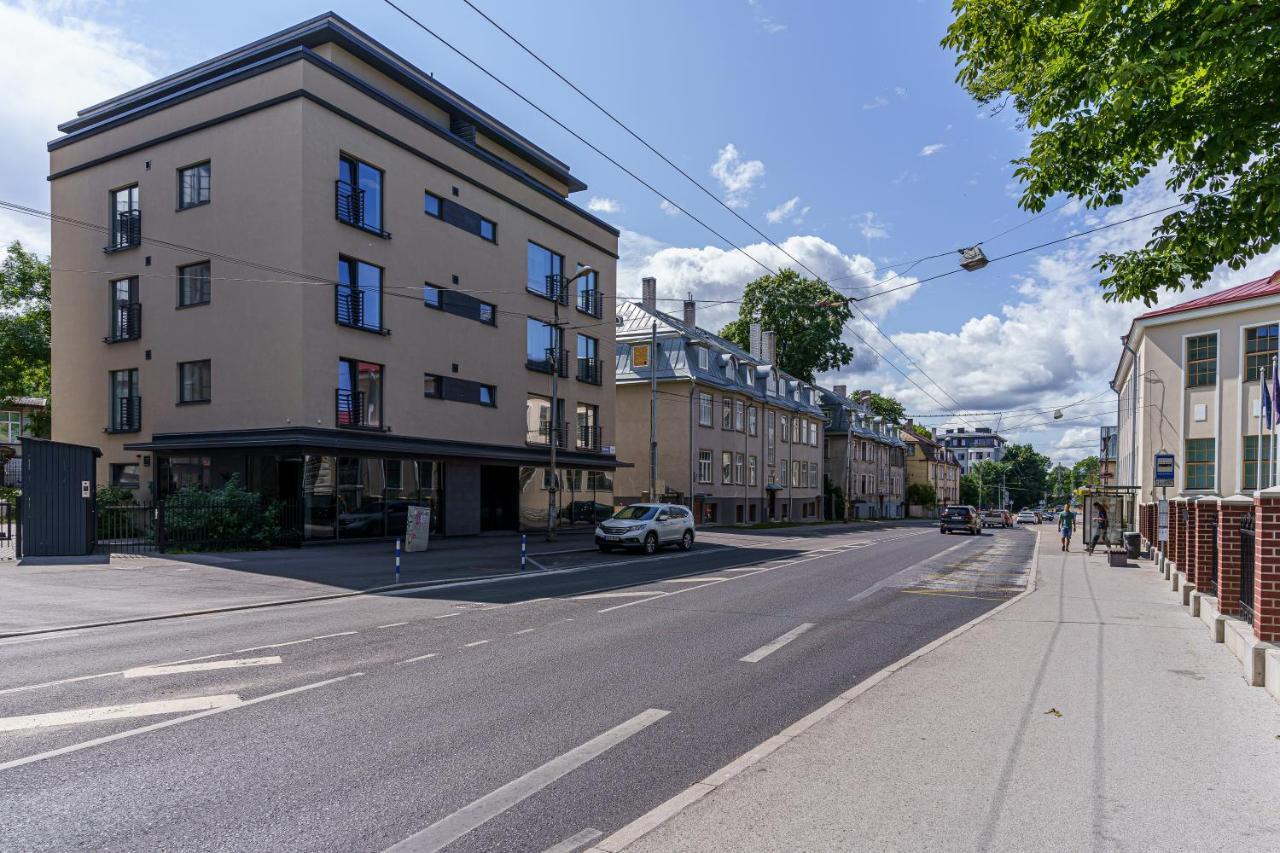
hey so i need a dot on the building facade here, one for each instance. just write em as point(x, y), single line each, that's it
point(17, 417)
point(929, 461)
point(331, 277)
point(1188, 383)
point(865, 458)
point(971, 446)
point(739, 441)
point(1108, 454)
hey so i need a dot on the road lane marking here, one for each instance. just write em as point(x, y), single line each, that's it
point(393, 625)
point(274, 646)
point(573, 842)
point(418, 658)
point(447, 615)
point(117, 712)
point(746, 569)
point(339, 634)
point(524, 631)
point(177, 669)
point(76, 747)
point(597, 595)
point(476, 643)
point(451, 828)
point(693, 580)
point(769, 648)
point(38, 637)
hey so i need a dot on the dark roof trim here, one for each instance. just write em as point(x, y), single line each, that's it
point(316, 99)
point(310, 438)
point(320, 30)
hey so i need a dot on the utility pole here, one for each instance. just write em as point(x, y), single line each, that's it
point(653, 412)
point(557, 287)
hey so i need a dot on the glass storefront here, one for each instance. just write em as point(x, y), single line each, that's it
point(364, 497)
point(585, 497)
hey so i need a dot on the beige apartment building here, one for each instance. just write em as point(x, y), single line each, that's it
point(739, 441)
point(1188, 384)
point(310, 265)
point(864, 458)
point(930, 461)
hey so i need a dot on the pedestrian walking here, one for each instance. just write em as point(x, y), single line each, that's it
point(1066, 526)
point(1099, 525)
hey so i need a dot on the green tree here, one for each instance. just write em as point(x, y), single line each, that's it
point(24, 326)
point(808, 317)
point(988, 474)
point(1027, 474)
point(969, 489)
point(923, 431)
point(886, 407)
point(1088, 471)
point(921, 494)
point(1061, 484)
point(1112, 90)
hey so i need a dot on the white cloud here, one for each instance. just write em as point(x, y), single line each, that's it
point(668, 208)
point(900, 91)
point(600, 204)
point(876, 103)
point(930, 150)
point(737, 177)
point(788, 210)
point(769, 25)
point(53, 64)
point(871, 226)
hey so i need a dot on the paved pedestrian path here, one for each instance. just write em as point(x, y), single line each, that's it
point(1090, 714)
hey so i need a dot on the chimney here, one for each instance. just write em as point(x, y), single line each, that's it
point(769, 347)
point(757, 345)
point(649, 293)
point(690, 310)
point(840, 391)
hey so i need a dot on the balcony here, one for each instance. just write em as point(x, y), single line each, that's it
point(350, 311)
point(350, 411)
point(349, 207)
point(589, 438)
point(589, 370)
point(126, 323)
point(126, 231)
point(544, 435)
point(589, 302)
point(554, 360)
point(126, 415)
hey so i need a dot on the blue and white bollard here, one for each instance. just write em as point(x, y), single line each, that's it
point(524, 551)
point(397, 561)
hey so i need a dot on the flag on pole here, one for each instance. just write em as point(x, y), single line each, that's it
point(1266, 399)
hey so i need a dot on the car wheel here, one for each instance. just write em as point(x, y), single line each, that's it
point(651, 543)
point(686, 541)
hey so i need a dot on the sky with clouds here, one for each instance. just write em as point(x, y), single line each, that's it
point(835, 128)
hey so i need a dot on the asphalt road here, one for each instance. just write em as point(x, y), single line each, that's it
point(510, 716)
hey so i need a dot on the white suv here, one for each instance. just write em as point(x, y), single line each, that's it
point(648, 527)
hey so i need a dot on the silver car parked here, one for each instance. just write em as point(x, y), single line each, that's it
point(647, 527)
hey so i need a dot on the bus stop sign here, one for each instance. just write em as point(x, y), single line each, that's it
point(1164, 468)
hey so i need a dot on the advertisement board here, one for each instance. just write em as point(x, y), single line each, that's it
point(417, 529)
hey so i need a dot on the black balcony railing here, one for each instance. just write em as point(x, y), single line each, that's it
point(126, 323)
point(589, 370)
point(589, 302)
point(126, 415)
point(589, 438)
point(349, 409)
point(126, 230)
point(349, 207)
point(351, 309)
point(552, 360)
point(545, 430)
point(1246, 568)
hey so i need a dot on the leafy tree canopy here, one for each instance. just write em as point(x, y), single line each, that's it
point(921, 494)
point(24, 324)
point(1112, 90)
point(923, 431)
point(886, 407)
point(808, 317)
point(1027, 474)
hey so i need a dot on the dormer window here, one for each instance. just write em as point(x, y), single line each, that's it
point(704, 357)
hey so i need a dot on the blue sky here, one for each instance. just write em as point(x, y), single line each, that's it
point(834, 127)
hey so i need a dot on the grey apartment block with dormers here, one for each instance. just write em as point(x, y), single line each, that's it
point(864, 457)
point(739, 441)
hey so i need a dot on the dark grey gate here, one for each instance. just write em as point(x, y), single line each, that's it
point(10, 532)
point(59, 482)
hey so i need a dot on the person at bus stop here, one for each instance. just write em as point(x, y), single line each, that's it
point(1099, 524)
point(1066, 526)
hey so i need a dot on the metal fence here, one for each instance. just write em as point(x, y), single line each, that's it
point(1246, 568)
point(10, 532)
point(186, 522)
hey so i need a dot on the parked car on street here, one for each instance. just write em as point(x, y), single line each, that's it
point(960, 517)
point(1028, 517)
point(647, 527)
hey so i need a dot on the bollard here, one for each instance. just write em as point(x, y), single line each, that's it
point(524, 548)
point(397, 561)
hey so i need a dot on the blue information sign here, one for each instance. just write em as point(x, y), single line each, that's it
point(1164, 468)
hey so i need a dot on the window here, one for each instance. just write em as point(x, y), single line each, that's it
point(125, 318)
point(813, 434)
point(124, 475)
point(726, 414)
point(432, 296)
point(1259, 348)
point(459, 217)
point(813, 475)
point(432, 386)
point(358, 298)
point(639, 355)
point(589, 367)
point(769, 435)
point(797, 431)
point(706, 410)
point(1202, 361)
point(795, 473)
point(126, 219)
point(359, 194)
point(1200, 463)
point(13, 426)
point(739, 463)
point(704, 466)
point(753, 427)
point(1251, 462)
point(193, 284)
point(783, 424)
point(433, 205)
point(359, 394)
point(458, 303)
point(739, 424)
point(751, 470)
point(543, 346)
point(588, 427)
point(804, 474)
point(538, 424)
point(125, 405)
point(543, 263)
point(193, 185)
point(704, 358)
point(194, 381)
point(588, 295)
point(726, 467)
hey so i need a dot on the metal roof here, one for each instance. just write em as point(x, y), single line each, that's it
point(1269, 286)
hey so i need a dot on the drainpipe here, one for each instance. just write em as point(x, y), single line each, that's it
point(693, 387)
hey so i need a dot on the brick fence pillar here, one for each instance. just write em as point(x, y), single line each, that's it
point(1175, 532)
point(1204, 515)
point(1231, 511)
point(1266, 565)
point(1143, 517)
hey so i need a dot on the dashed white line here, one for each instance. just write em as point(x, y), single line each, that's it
point(178, 669)
point(693, 580)
point(418, 658)
point(476, 643)
point(117, 712)
point(447, 615)
point(597, 595)
point(573, 842)
point(274, 646)
point(771, 647)
point(339, 634)
point(393, 625)
point(524, 631)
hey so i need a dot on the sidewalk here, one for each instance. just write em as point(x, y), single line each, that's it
point(1091, 714)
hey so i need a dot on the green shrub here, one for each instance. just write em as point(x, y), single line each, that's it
point(228, 518)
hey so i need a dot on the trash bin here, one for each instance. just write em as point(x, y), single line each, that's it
point(1133, 544)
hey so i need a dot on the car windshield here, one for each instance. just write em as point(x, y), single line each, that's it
point(636, 512)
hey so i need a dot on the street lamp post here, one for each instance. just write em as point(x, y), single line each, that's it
point(557, 286)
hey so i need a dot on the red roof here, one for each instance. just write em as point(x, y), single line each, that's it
point(1252, 290)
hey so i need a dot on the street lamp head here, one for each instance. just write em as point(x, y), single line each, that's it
point(580, 273)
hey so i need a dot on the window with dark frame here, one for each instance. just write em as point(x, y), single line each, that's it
point(125, 404)
point(432, 296)
point(1259, 347)
point(1202, 361)
point(126, 219)
point(542, 263)
point(194, 284)
point(543, 346)
point(125, 475)
point(194, 381)
point(358, 396)
point(448, 210)
point(358, 296)
point(193, 185)
point(359, 194)
point(125, 318)
point(458, 390)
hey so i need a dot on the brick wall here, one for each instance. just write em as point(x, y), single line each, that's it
point(1266, 565)
point(1175, 532)
point(1230, 513)
point(1204, 515)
